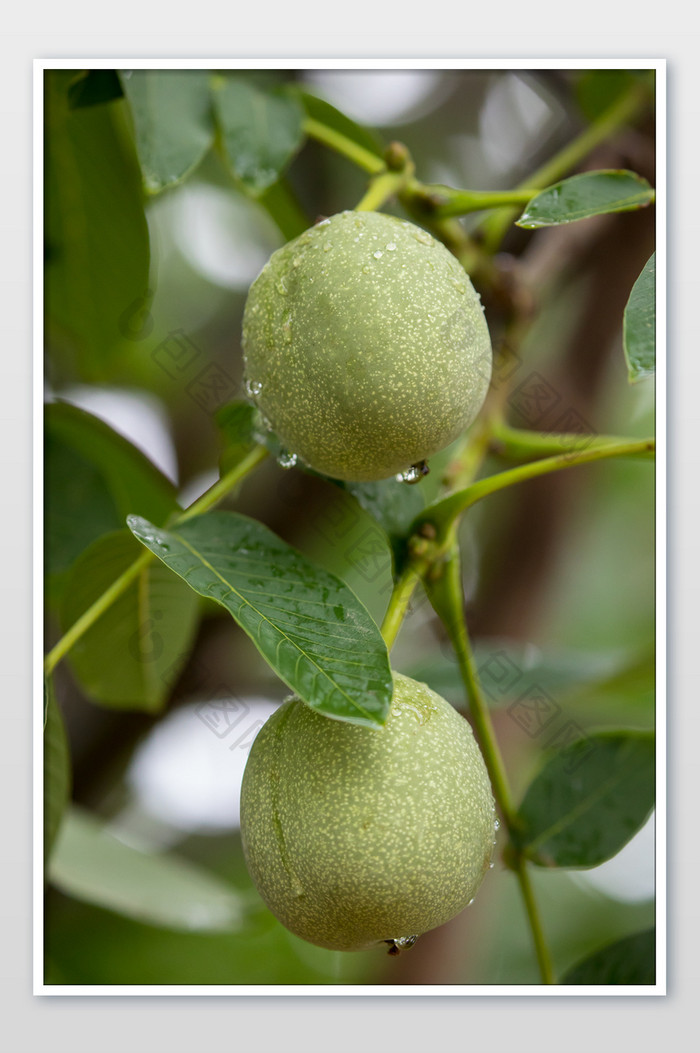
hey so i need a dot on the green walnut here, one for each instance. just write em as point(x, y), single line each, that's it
point(358, 836)
point(365, 345)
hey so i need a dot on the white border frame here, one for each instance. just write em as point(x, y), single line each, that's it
point(229, 990)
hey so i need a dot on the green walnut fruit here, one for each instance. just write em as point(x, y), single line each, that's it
point(356, 836)
point(365, 346)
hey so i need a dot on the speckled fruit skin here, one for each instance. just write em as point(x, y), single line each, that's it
point(355, 836)
point(365, 346)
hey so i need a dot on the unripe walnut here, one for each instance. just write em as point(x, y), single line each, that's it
point(356, 836)
point(365, 346)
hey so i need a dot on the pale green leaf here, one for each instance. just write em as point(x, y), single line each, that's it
point(91, 864)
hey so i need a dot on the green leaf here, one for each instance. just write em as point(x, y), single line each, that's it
point(57, 772)
point(96, 237)
point(173, 122)
point(132, 655)
point(394, 505)
point(588, 194)
point(308, 625)
point(237, 423)
point(323, 112)
point(631, 960)
point(90, 864)
point(261, 130)
point(639, 324)
point(94, 87)
point(281, 204)
point(589, 800)
point(94, 479)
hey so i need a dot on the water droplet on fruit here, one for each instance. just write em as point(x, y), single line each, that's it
point(281, 287)
point(378, 254)
point(286, 459)
point(391, 247)
point(423, 237)
point(401, 943)
point(366, 270)
point(414, 474)
point(406, 707)
point(497, 824)
point(328, 246)
point(297, 261)
point(252, 388)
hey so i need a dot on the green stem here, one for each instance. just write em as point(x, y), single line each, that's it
point(362, 157)
point(521, 444)
point(619, 113)
point(444, 513)
point(118, 587)
point(446, 595)
point(98, 608)
point(222, 487)
point(533, 915)
point(381, 189)
point(398, 605)
point(446, 202)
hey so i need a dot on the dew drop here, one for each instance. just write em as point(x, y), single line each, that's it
point(497, 824)
point(491, 865)
point(470, 902)
point(401, 943)
point(297, 261)
point(281, 288)
point(378, 254)
point(252, 388)
point(414, 474)
point(323, 223)
point(286, 459)
point(423, 237)
point(328, 246)
point(418, 714)
point(390, 247)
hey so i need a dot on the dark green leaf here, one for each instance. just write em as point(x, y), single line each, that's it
point(631, 960)
point(281, 204)
point(589, 800)
point(90, 864)
point(588, 194)
point(96, 237)
point(132, 655)
point(237, 424)
point(394, 505)
point(94, 478)
point(307, 624)
point(57, 773)
point(173, 122)
point(94, 87)
point(261, 130)
point(323, 112)
point(639, 324)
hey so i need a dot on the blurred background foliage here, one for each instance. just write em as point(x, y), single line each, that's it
point(144, 293)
